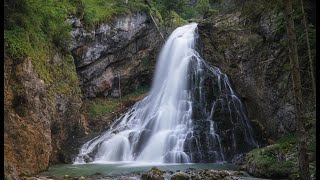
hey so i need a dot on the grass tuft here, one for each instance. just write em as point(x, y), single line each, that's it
point(97, 11)
point(101, 106)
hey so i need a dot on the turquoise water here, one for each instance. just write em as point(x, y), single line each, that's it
point(126, 168)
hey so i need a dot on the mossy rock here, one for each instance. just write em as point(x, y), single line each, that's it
point(154, 174)
point(180, 176)
point(269, 162)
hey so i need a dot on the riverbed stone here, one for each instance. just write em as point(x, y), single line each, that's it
point(154, 174)
point(180, 176)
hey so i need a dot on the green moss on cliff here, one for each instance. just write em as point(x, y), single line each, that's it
point(37, 30)
point(101, 106)
point(157, 13)
point(176, 20)
point(97, 11)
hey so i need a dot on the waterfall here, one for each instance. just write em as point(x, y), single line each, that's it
point(183, 119)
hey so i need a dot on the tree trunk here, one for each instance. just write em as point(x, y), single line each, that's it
point(296, 81)
point(309, 51)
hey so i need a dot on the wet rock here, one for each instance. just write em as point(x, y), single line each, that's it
point(238, 159)
point(180, 176)
point(153, 174)
point(81, 178)
point(195, 177)
point(255, 60)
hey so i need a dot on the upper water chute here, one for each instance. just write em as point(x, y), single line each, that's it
point(175, 123)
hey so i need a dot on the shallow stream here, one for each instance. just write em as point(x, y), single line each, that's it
point(115, 169)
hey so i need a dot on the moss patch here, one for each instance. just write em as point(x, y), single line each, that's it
point(154, 173)
point(97, 11)
point(269, 162)
point(37, 30)
point(176, 20)
point(280, 159)
point(101, 106)
point(287, 141)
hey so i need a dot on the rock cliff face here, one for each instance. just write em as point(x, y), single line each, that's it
point(27, 137)
point(124, 48)
point(37, 125)
point(256, 61)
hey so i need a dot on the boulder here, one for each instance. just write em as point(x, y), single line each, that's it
point(180, 176)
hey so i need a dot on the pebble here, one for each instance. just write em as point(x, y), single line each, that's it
point(81, 178)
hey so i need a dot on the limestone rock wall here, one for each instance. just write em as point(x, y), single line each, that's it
point(37, 125)
point(256, 61)
point(124, 48)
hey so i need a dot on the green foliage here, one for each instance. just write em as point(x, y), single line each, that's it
point(211, 12)
point(262, 157)
point(159, 12)
point(40, 18)
point(140, 91)
point(175, 20)
point(101, 106)
point(179, 10)
point(270, 162)
point(281, 157)
point(16, 42)
point(196, 11)
point(173, 5)
point(287, 141)
point(96, 11)
point(37, 30)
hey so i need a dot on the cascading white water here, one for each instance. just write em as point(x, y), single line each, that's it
point(155, 130)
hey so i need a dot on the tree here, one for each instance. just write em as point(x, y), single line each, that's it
point(309, 50)
point(296, 81)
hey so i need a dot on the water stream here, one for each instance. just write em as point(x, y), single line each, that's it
point(116, 169)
